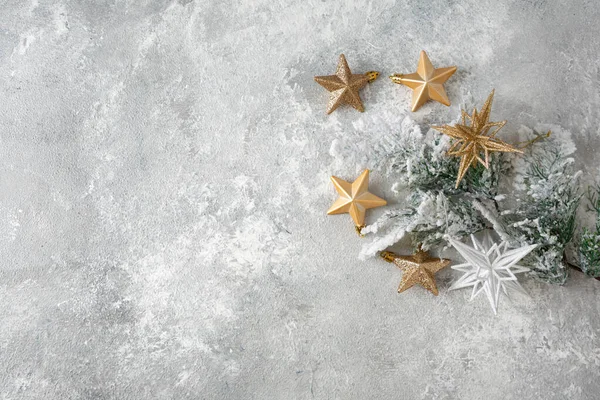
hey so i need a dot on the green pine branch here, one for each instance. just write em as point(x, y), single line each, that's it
point(589, 246)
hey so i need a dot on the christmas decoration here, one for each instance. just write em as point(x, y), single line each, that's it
point(419, 268)
point(471, 140)
point(427, 83)
point(589, 247)
point(344, 86)
point(489, 268)
point(355, 198)
point(529, 199)
point(429, 205)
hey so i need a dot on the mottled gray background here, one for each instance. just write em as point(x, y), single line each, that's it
point(164, 185)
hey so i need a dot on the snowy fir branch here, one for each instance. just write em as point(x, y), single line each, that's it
point(545, 204)
point(589, 246)
point(527, 199)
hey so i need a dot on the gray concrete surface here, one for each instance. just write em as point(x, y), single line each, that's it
point(163, 191)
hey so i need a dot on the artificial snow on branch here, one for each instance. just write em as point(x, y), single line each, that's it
point(529, 200)
point(543, 208)
point(589, 247)
point(433, 206)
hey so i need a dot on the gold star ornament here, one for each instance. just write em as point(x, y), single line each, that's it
point(344, 86)
point(471, 140)
point(355, 198)
point(419, 268)
point(427, 83)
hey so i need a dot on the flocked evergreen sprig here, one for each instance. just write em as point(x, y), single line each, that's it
point(541, 209)
point(433, 207)
point(538, 208)
point(589, 247)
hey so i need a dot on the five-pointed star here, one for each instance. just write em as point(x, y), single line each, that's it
point(344, 86)
point(355, 198)
point(419, 268)
point(490, 268)
point(472, 140)
point(427, 83)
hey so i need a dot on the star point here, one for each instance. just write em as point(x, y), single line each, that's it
point(355, 198)
point(427, 83)
point(419, 268)
point(344, 86)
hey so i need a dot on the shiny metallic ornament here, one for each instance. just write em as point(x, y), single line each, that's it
point(419, 268)
point(471, 140)
point(427, 83)
point(355, 198)
point(344, 86)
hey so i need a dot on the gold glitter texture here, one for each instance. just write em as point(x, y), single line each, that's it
point(419, 268)
point(344, 86)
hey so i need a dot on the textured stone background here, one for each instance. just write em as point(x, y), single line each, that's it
point(163, 191)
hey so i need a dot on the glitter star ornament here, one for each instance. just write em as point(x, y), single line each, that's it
point(427, 83)
point(344, 86)
point(490, 268)
point(419, 268)
point(471, 140)
point(355, 198)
